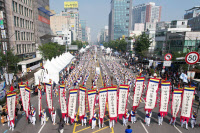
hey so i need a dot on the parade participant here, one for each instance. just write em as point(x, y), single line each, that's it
point(10, 123)
point(133, 118)
point(84, 120)
point(193, 119)
point(100, 125)
point(94, 120)
point(112, 123)
point(43, 117)
point(125, 117)
point(53, 116)
point(172, 121)
point(160, 119)
point(184, 123)
point(61, 126)
point(66, 119)
point(33, 115)
point(148, 118)
point(75, 120)
point(30, 117)
point(55, 92)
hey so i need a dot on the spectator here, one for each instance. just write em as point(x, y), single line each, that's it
point(128, 130)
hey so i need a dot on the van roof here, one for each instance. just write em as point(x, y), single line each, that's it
point(198, 80)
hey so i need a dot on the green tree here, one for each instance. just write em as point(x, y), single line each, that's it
point(50, 50)
point(80, 44)
point(9, 60)
point(142, 44)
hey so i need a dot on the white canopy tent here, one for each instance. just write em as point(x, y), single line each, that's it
point(53, 68)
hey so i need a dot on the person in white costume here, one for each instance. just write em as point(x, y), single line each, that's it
point(10, 123)
point(53, 116)
point(133, 118)
point(193, 119)
point(148, 118)
point(66, 119)
point(125, 117)
point(112, 123)
point(94, 120)
point(172, 121)
point(100, 125)
point(160, 119)
point(43, 117)
point(84, 120)
point(184, 123)
point(33, 115)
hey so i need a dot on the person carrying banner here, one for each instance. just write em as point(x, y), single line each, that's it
point(100, 125)
point(184, 123)
point(125, 117)
point(53, 116)
point(94, 120)
point(160, 119)
point(84, 120)
point(66, 119)
point(133, 118)
point(172, 121)
point(193, 119)
point(43, 117)
point(10, 123)
point(30, 117)
point(112, 123)
point(33, 115)
point(148, 118)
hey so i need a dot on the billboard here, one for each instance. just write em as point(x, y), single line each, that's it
point(71, 4)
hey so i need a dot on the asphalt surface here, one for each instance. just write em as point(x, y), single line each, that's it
point(22, 126)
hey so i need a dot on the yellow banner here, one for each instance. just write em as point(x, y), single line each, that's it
point(71, 4)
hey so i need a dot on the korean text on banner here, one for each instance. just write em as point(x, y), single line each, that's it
point(123, 98)
point(187, 103)
point(151, 95)
point(27, 101)
point(176, 102)
point(91, 103)
point(39, 100)
point(62, 100)
point(82, 96)
point(72, 104)
point(139, 86)
point(22, 92)
point(102, 103)
point(49, 96)
point(112, 103)
point(11, 99)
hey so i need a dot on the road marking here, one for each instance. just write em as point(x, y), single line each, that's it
point(5, 131)
point(177, 129)
point(100, 129)
point(143, 101)
point(83, 129)
point(131, 97)
point(128, 101)
point(41, 128)
point(112, 130)
point(144, 127)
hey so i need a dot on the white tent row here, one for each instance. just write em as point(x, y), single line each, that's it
point(53, 68)
point(82, 50)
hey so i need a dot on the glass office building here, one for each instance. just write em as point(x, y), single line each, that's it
point(120, 19)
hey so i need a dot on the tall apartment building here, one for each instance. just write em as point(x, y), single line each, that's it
point(148, 12)
point(193, 16)
point(120, 19)
point(83, 29)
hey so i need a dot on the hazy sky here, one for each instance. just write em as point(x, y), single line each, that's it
point(95, 12)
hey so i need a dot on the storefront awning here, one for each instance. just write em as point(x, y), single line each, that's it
point(28, 61)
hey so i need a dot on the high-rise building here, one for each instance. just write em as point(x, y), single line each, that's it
point(83, 29)
point(193, 16)
point(103, 35)
point(148, 12)
point(120, 19)
point(72, 9)
point(88, 35)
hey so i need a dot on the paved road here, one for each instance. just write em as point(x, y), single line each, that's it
point(139, 127)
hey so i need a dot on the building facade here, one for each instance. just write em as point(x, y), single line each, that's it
point(148, 12)
point(120, 19)
point(83, 30)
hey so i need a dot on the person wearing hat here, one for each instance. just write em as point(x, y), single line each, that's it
point(84, 120)
point(133, 118)
point(193, 119)
point(160, 119)
point(53, 116)
point(184, 122)
point(33, 115)
point(148, 118)
point(94, 120)
point(125, 117)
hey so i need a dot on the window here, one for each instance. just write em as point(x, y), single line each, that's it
point(15, 35)
point(20, 22)
point(15, 21)
point(13, 4)
point(33, 47)
point(22, 36)
point(18, 35)
point(19, 48)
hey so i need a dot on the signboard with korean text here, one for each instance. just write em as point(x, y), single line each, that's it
point(151, 95)
point(71, 4)
point(164, 98)
point(81, 101)
point(62, 100)
point(112, 103)
point(102, 103)
point(167, 63)
point(123, 98)
point(176, 102)
point(187, 102)
point(139, 86)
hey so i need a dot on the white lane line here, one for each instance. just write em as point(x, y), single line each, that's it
point(178, 129)
point(143, 101)
point(144, 127)
point(131, 97)
point(41, 128)
point(128, 101)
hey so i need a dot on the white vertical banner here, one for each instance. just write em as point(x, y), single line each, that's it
point(151, 95)
point(139, 86)
point(72, 104)
point(176, 102)
point(49, 96)
point(112, 103)
point(81, 101)
point(91, 103)
point(22, 92)
point(62, 100)
point(123, 98)
point(187, 103)
point(39, 100)
point(164, 98)
point(27, 101)
point(102, 103)
point(11, 100)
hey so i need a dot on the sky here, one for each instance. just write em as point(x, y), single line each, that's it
point(96, 12)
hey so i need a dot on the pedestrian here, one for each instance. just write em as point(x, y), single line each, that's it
point(94, 120)
point(61, 126)
point(193, 119)
point(128, 130)
point(11, 124)
point(125, 117)
point(133, 118)
point(21, 106)
point(16, 113)
point(112, 123)
point(66, 119)
point(148, 118)
point(184, 122)
point(160, 119)
point(43, 117)
point(33, 115)
point(84, 120)
point(172, 121)
point(53, 116)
